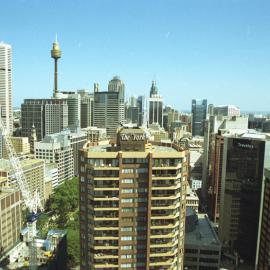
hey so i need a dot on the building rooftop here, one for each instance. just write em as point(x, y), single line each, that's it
point(148, 147)
point(7, 191)
point(5, 164)
point(203, 234)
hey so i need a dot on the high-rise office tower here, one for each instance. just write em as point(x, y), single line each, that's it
point(142, 110)
point(227, 110)
point(74, 108)
point(116, 85)
point(33, 139)
point(48, 115)
point(155, 106)
point(87, 109)
point(242, 182)
point(211, 155)
point(55, 54)
point(132, 111)
point(132, 114)
point(199, 109)
point(6, 86)
point(263, 248)
point(106, 111)
point(132, 204)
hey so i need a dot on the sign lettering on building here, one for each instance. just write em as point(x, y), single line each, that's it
point(132, 137)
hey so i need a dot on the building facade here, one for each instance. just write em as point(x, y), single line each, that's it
point(77, 140)
point(74, 108)
point(106, 112)
point(142, 110)
point(11, 220)
point(263, 251)
point(56, 148)
point(202, 246)
point(198, 109)
point(117, 85)
point(87, 109)
point(95, 134)
point(226, 110)
point(6, 86)
point(34, 173)
point(155, 114)
point(132, 204)
point(47, 115)
point(244, 160)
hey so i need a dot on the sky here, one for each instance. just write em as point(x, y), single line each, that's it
point(219, 50)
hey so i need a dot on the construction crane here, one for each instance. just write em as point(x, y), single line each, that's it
point(31, 201)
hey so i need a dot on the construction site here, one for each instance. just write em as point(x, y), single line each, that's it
point(51, 253)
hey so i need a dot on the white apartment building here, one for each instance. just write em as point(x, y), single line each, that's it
point(56, 148)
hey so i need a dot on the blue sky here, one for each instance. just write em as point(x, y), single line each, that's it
point(219, 50)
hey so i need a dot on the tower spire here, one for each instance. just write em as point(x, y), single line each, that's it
point(55, 54)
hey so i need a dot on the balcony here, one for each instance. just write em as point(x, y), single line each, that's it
point(99, 225)
point(164, 234)
point(106, 198)
point(164, 224)
point(163, 243)
point(106, 265)
point(106, 208)
point(164, 206)
point(163, 261)
point(161, 213)
point(105, 244)
point(107, 233)
point(105, 188)
point(166, 166)
point(105, 237)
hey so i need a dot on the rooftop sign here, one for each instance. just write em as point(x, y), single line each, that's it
point(132, 137)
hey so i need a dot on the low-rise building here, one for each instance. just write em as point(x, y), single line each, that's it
point(192, 199)
point(95, 134)
point(51, 174)
point(34, 173)
point(157, 133)
point(21, 146)
point(196, 184)
point(202, 246)
point(10, 218)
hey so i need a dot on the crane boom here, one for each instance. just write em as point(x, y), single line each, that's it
point(31, 201)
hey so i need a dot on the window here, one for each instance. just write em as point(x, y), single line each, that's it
point(127, 190)
point(125, 265)
point(126, 256)
point(128, 160)
point(127, 170)
point(126, 247)
point(127, 209)
point(126, 238)
point(126, 229)
point(128, 181)
point(127, 200)
point(142, 170)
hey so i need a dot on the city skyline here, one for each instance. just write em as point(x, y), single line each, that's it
point(190, 50)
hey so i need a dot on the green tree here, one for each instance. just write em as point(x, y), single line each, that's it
point(73, 248)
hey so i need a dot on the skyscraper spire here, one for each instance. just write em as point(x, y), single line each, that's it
point(153, 90)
